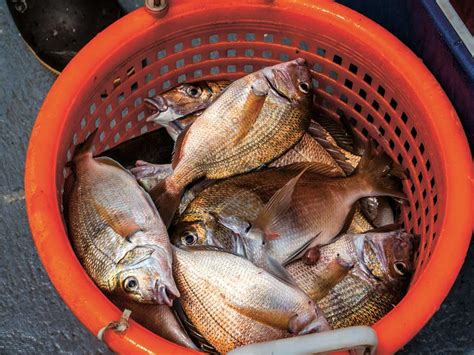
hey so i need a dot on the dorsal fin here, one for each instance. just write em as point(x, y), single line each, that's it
point(86, 146)
point(252, 108)
point(313, 167)
point(178, 146)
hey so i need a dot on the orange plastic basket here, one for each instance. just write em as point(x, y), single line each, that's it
point(358, 69)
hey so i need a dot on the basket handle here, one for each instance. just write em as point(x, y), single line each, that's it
point(360, 339)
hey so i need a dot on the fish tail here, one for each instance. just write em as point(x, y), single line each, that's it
point(166, 196)
point(85, 148)
point(380, 174)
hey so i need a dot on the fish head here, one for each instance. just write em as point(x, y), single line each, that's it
point(145, 276)
point(290, 81)
point(180, 102)
point(389, 256)
point(189, 234)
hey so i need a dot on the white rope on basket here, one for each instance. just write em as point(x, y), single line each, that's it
point(119, 326)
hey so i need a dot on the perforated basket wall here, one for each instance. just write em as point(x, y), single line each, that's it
point(358, 69)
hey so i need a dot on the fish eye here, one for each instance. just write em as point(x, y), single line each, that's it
point(130, 284)
point(400, 268)
point(304, 87)
point(193, 91)
point(189, 238)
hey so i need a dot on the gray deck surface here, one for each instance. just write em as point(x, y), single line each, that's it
point(33, 319)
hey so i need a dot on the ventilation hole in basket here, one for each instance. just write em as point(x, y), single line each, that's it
point(398, 131)
point(400, 158)
point(370, 118)
point(248, 68)
point(318, 67)
point(422, 148)
point(197, 58)
point(151, 93)
point(358, 108)
point(248, 37)
point(404, 117)
point(92, 108)
point(414, 161)
point(286, 41)
point(353, 68)
point(348, 83)
point(103, 95)
point(83, 122)
point(181, 78)
point(97, 122)
point(145, 62)
point(214, 70)
point(68, 155)
point(266, 54)
point(427, 228)
point(382, 131)
point(196, 42)
point(368, 79)
point(365, 132)
point(303, 46)
point(420, 177)
point(435, 200)
point(143, 130)
point(339, 112)
point(337, 59)
point(426, 211)
point(387, 118)
point(161, 54)
point(417, 204)
point(407, 146)
point(137, 102)
point(112, 123)
point(353, 121)
point(116, 137)
point(424, 193)
point(432, 182)
point(393, 103)
point(413, 132)
point(231, 53)
point(121, 97)
point(435, 217)
point(180, 63)
point(128, 125)
point(412, 188)
point(375, 105)
point(166, 85)
point(391, 144)
point(134, 86)
point(344, 98)
point(178, 47)
point(197, 73)
point(125, 112)
point(284, 57)
point(268, 38)
point(101, 136)
point(64, 176)
point(148, 77)
point(321, 52)
point(130, 71)
point(333, 74)
point(231, 68)
point(315, 83)
point(214, 55)
point(249, 52)
point(362, 93)
point(329, 89)
point(428, 165)
point(213, 38)
point(117, 82)
point(164, 69)
point(381, 90)
point(141, 116)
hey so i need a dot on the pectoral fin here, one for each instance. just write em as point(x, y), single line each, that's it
point(119, 221)
point(335, 271)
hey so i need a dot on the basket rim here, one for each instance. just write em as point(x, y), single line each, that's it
point(94, 310)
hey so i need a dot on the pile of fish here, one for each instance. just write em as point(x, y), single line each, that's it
point(268, 223)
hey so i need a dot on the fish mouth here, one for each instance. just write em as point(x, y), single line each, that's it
point(161, 113)
point(165, 295)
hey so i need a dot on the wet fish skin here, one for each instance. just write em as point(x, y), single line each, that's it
point(232, 302)
point(116, 231)
point(371, 288)
point(256, 119)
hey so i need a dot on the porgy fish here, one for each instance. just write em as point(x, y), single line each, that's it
point(160, 319)
point(269, 212)
point(360, 277)
point(231, 302)
point(116, 230)
point(255, 120)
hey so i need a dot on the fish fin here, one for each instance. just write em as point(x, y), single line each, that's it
point(358, 144)
point(233, 223)
point(253, 106)
point(337, 131)
point(298, 253)
point(120, 222)
point(329, 277)
point(349, 218)
point(387, 228)
point(375, 170)
point(144, 169)
point(275, 208)
point(111, 162)
point(178, 146)
point(85, 148)
point(279, 272)
point(135, 256)
point(166, 197)
point(313, 167)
